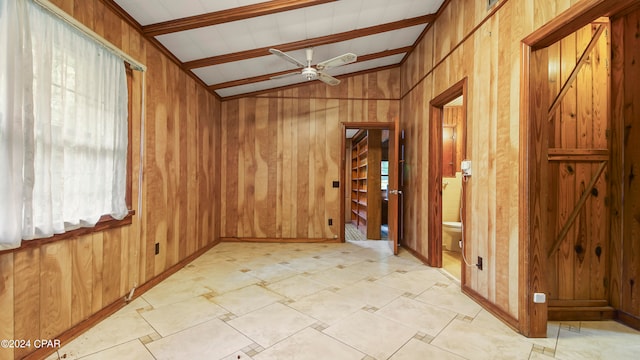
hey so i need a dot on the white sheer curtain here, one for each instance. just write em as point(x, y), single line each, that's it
point(16, 117)
point(78, 155)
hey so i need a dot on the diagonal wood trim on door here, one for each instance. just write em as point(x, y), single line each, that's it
point(574, 72)
point(574, 214)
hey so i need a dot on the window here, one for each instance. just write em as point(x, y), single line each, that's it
point(384, 175)
point(67, 141)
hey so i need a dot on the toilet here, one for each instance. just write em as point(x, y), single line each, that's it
point(451, 235)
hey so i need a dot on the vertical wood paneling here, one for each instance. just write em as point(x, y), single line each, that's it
point(490, 58)
point(631, 231)
point(97, 242)
point(301, 167)
point(111, 265)
point(286, 147)
point(453, 117)
point(274, 219)
point(44, 291)
point(192, 175)
point(26, 305)
point(247, 168)
point(229, 182)
point(503, 190)
point(566, 127)
point(479, 205)
point(82, 279)
point(286, 174)
point(55, 289)
point(263, 222)
point(332, 157)
point(6, 303)
point(577, 271)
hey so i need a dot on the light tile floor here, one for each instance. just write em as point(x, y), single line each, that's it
point(451, 263)
point(325, 301)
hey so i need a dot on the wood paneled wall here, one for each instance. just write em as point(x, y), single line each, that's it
point(281, 153)
point(625, 204)
point(46, 290)
point(453, 116)
point(469, 40)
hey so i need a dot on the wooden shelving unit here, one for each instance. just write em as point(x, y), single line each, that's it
point(366, 199)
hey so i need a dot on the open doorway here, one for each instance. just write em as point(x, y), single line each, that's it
point(366, 184)
point(369, 182)
point(447, 149)
point(453, 128)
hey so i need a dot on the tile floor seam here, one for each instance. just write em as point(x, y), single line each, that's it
point(400, 348)
point(370, 298)
point(346, 344)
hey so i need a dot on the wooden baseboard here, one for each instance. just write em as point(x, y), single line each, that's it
point(630, 320)
point(279, 240)
point(506, 318)
point(416, 254)
point(110, 309)
point(581, 313)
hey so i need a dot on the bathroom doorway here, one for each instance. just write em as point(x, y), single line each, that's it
point(452, 133)
point(448, 129)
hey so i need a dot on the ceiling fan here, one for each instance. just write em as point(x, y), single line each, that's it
point(311, 73)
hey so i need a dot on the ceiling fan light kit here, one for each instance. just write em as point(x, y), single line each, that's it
point(312, 73)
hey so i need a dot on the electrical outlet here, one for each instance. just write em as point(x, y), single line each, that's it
point(157, 248)
point(539, 298)
point(330, 222)
point(479, 264)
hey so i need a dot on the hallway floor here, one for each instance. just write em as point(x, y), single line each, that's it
point(451, 263)
point(325, 301)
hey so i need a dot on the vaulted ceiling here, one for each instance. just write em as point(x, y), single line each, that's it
point(226, 43)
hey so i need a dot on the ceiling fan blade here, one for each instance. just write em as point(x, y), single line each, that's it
point(343, 59)
point(286, 57)
point(285, 75)
point(328, 79)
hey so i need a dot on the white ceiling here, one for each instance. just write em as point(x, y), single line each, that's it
point(379, 32)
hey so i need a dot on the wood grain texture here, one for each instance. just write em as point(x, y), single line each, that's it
point(473, 42)
point(466, 46)
point(582, 128)
point(580, 267)
point(617, 159)
point(630, 281)
point(281, 152)
point(453, 117)
point(6, 303)
point(26, 296)
point(58, 285)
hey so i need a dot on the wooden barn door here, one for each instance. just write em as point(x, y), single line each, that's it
point(577, 241)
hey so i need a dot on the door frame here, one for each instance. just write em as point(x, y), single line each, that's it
point(393, 130)
point(532, 255)
point(434, 191)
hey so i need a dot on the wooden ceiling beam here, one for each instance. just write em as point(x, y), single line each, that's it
point(266, 77)
point(323, 40)
point(224, 16)
point(272, 90)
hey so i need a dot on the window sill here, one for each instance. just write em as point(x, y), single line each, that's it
point(106, 222)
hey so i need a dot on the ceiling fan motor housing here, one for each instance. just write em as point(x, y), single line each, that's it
point(310, 73)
